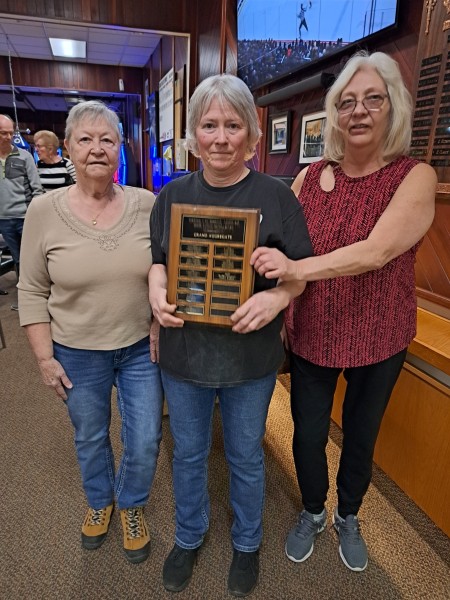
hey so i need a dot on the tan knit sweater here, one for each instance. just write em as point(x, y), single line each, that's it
point(90, 284)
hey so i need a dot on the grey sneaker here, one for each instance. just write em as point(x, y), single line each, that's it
point(352, 547)
point(300, 540)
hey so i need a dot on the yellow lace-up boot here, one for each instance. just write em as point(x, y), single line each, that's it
point(136, 538)
point(95, 527)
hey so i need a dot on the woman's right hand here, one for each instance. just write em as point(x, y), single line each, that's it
point(54, 376)
point(161, 309)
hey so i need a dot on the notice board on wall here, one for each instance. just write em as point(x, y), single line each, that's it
point(166, 107)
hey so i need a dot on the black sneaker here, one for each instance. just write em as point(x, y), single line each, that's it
point(178, 567)
point(244, 572)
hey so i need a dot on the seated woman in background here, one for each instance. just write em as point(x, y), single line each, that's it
point(83, 300)
point(367, 205)
point(54, 171)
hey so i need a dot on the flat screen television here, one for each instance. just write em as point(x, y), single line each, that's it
point(279, 37)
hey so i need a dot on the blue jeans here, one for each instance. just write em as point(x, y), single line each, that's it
point(244, 411)
point(139, 397)
point(11, 230)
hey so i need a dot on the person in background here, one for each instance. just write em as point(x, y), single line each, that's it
point(83, 298)
point(19, 183)
point(367, 206)
point(302, 18)
point(237, 364)
point(54, 170)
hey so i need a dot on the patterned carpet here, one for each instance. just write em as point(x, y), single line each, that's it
point(42, 508)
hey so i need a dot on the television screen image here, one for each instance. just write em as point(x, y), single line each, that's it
point(277, 38)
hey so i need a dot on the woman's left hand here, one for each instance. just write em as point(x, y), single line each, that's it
point(154, 341)
point(54, 376)
point(257, 311)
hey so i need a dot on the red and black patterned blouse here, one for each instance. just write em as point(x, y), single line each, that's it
point(355, 320)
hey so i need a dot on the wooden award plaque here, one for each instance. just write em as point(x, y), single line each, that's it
point(209, 271)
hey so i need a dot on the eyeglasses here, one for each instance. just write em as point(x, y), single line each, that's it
point(372, 102)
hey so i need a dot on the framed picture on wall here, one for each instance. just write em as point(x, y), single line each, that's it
point(279, 133)
point(153, 125)
point(311, 137)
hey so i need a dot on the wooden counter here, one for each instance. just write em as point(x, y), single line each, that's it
point(413, 447)
point(432, 341)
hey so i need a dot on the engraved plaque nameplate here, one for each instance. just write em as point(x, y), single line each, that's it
point(209, 271)
point(432, 60)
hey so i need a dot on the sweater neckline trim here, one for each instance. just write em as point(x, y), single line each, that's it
point(90, 230)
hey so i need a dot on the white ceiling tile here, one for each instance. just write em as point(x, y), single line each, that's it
point(94, 47)
point(34, 30)
point(108, 36)
point(69, 33)
point(143, 40)
point(25, 42)
point(103, 54)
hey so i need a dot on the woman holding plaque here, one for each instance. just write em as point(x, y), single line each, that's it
point(367, 205)
point(238, 364)
point(83, 300)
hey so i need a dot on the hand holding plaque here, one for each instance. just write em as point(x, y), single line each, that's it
point(209, 271)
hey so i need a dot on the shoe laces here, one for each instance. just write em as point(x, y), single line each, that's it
point(306, 525)
point(134, 522)
point(350, 529)
point(96, 516)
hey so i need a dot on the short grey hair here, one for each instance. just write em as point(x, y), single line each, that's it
point(91, 110)
point(228, 90)
point(398, 135)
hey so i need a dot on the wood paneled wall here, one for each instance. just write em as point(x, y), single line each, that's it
point(173, 16)
point(71, 76)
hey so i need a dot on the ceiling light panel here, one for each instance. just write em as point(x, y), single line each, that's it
point(68, 48)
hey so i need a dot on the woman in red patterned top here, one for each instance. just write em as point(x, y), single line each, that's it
point(367, 207)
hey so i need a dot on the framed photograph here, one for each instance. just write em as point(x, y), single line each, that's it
point(153, 125)
point(311, 137)
point(279, 133)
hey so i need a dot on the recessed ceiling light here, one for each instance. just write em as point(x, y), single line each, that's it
point(68, 48)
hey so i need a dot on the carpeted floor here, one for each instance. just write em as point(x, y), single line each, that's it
point(42, 508)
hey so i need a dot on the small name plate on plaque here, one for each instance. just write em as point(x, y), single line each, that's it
point(209, 271)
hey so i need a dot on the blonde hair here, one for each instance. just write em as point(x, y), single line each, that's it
point(398, 134)
point(49, 139)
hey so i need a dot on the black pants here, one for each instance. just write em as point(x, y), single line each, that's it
point(367, 395)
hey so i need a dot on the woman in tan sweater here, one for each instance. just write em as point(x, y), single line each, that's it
point(83, 300)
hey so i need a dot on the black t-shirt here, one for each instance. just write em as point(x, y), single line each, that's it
point(216, 356)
